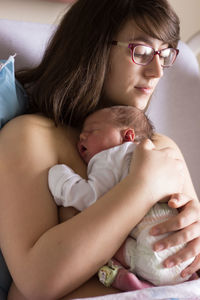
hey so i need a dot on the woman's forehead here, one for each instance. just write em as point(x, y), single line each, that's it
point(130, 32)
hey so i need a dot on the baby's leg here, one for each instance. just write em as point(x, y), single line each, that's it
point(127, 281)
point(120, 255)
point(117, 276)
point(126, 254)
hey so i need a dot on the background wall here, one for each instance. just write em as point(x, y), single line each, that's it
point(189, 14)
point(32, 10)
point(50, 11)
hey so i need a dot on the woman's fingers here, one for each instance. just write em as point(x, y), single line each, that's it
point(178, 200)
point(191, 250)
point(186, 230)
point(180, 237)
point(189, 214)
point(147, 144)
point(191, 269)
point(161, 171)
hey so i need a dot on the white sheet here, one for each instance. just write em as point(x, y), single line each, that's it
point(188, 290)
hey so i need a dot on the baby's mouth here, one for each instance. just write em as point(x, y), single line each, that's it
point(81, 148)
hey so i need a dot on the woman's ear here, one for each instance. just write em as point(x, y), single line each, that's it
point(128, 135)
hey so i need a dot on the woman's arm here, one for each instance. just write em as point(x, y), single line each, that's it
point(186, 224)
point(47, 260)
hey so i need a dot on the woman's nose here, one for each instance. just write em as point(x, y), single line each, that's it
point(154, 68)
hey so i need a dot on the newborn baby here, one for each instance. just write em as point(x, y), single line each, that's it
point(106, 144)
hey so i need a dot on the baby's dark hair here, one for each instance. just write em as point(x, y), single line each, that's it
point(128, 116)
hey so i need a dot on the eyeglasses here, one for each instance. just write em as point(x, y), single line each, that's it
point(143, 55)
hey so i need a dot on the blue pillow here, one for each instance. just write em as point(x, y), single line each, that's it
point(13, 98)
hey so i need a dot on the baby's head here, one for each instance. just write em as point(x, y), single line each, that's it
point(112, 126)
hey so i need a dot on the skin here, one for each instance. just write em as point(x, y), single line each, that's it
point(98, 135)
point(126, 82)
point(131, 84)
point(46, 259)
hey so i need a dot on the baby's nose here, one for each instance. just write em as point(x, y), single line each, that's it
point(83, 136)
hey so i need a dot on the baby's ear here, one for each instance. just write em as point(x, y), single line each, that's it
point(128, 135)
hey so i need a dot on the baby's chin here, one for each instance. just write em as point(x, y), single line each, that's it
point(86, 157)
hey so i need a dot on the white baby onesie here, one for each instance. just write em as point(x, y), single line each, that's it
point(105, 170)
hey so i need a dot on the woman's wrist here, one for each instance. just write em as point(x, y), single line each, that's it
point(140, 188)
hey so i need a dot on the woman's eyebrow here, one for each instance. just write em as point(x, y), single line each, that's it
point(140, 38)
point(145, 39)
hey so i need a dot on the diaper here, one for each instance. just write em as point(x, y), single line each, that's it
point(146, 262)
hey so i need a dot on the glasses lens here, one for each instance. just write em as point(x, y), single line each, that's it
point(142, 55)
point(167, 57)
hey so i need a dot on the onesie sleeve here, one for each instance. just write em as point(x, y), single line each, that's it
point(70, 189)
point(105, 170)
point(109, 167)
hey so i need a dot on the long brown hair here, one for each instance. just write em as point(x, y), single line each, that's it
point(67, 84)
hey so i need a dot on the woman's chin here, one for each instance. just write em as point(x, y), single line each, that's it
point(141, 104)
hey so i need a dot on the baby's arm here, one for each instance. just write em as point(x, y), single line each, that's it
point(71, 190)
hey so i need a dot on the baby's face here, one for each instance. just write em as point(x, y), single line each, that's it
point(98, 134)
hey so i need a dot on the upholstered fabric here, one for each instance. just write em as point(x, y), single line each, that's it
point(28, 40)
point(175, 108)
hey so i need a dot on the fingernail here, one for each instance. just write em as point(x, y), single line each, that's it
point(185, 274)
point(170, 264)
point(159, 247)
point(154, 231)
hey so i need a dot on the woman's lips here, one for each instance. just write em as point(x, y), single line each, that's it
point(144, 90)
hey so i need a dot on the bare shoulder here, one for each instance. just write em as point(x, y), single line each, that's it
point(22, 131)
point(163, 141)
point(38, 137)
point(29, 146)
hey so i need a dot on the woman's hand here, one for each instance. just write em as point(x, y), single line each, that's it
point(160, 171)
point(186, 228)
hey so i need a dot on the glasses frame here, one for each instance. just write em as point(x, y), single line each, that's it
point(158, 52)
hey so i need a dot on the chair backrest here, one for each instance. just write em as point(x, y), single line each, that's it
point(175, 105)
point(175, 108)
point(28, 40)
point(194, 43)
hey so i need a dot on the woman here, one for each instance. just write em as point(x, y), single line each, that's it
point(83, 69)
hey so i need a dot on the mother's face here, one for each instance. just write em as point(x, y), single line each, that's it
point(127, 83)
